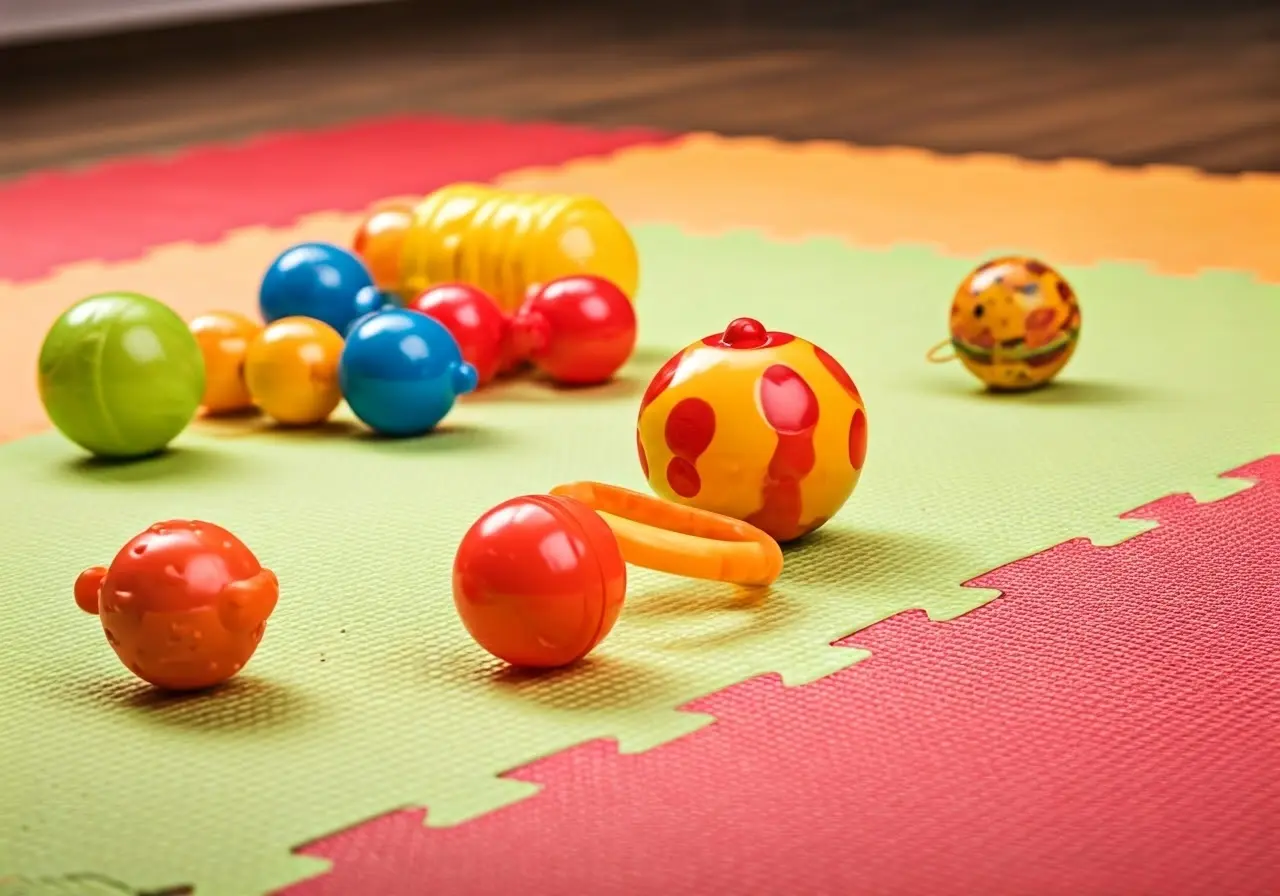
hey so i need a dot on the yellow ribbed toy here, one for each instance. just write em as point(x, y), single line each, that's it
point(505, 242)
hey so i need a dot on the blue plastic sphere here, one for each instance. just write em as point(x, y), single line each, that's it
point(371, 300)
point(320, 281)
point(401, 371)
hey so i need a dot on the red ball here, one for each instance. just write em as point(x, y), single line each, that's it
point(577, 330)
point(539, 581)
point(475, 320)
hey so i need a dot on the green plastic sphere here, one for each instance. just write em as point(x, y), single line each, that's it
point(121, 375)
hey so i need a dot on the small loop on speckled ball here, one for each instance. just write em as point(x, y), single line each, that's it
point(933, 357)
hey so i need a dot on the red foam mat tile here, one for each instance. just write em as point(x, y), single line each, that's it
point(117, 210)
point(1110, 725)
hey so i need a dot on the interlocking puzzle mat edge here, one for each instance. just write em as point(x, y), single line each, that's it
point(1074, 211)
point(1179, 221)
point(119, 209)
point(737, 238)
point(1155, 733)
point(707, 210)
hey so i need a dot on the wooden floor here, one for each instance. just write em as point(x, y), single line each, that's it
point(1129, 86)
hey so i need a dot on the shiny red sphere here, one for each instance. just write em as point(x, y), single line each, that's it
point(475, 320)
point(539, 581)
point(577, 330)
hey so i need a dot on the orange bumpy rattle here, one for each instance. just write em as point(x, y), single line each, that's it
point(183, 604)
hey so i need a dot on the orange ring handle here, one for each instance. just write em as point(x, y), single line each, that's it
point(680, 540)
point(932, 354)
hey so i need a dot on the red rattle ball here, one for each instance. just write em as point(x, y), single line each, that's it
point(476, 321)
point(539, 581)
point(577, 330)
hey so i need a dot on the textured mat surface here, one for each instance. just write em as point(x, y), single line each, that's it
point(78, 884)
point(1177, 220)
point(1110, 724)
point(120, 209)
point(367, 696)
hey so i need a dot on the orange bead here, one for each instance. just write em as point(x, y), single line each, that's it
point(224, 337)
point(378, 240)
point(291, 369)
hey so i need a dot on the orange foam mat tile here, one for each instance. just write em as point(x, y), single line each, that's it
point(1073, 212)
point(1178, 220)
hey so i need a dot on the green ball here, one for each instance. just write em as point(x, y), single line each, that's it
point(121, 375)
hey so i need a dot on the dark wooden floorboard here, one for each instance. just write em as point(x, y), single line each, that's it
point(1126, 82)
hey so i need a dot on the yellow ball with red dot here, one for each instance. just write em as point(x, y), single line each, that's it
point(291, 369)
point(224, 337)
point(1015, 323)
point(757, 425)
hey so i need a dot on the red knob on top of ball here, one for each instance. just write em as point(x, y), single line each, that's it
point(577, 330)
point(475, 320)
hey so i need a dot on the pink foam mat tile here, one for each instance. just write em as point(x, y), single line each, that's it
point(118, 209)
point(1109, 725)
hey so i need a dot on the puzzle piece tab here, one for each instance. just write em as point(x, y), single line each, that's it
point(1108, 725)
point(369, 695)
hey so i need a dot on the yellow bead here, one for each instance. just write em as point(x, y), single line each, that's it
point(581, 236)
point(505, 243)
point(291, 370)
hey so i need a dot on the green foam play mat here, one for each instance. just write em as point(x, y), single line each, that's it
point(367, 695)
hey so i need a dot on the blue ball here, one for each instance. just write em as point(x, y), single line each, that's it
point(370, 301)
point(320, 281)
point(400, 372)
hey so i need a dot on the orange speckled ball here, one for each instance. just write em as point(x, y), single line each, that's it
point(757, 425)
point(1015, 323)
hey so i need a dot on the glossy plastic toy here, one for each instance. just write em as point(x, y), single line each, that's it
point(291, 371)
point(183, 604)
point(401, 372)
point(476, 323)
point(503, 242)
point(681, 540)
point(1015, 323)
point(378, 240)
point(321, 281)
point(757, 425)
point(120, 375)
point(576, 330)
point(224, 337)
point(539, 580)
